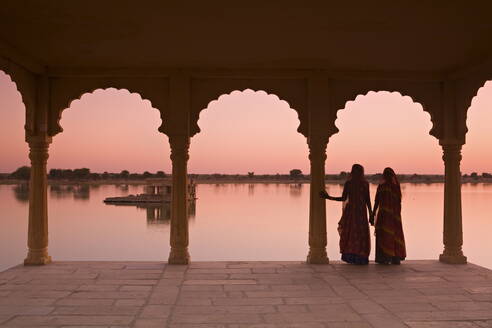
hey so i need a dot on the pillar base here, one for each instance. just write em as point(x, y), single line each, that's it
point(179, 256)
point(37, 257)
point(453, 259)
point(317, 256)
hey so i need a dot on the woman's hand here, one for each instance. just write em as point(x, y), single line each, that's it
point(323, 194)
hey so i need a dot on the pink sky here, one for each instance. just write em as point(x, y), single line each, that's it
point(112, 130)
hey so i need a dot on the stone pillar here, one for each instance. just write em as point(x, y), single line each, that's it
point(317, 205)
point(37, 240)
point(179, 200)
point(453, 230)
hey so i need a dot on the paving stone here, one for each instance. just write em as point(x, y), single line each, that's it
point(84, 302)
point(95, 287)
point(272, 325)
point(348, 325)
point(366, 307)
point(135, 288)
point(69, 320)
point(97, 310)
point(149, 323)
point(26, 301)
point(155, 311)
point(115, 295)
point(441, 324)
point(127, 282)
point(410, 307)
point(130, 302)
point(224, 309)
point(314, 300)
point(301, 318)
point(240, 287)
point(25, 309)
point(220, 282)
point(247, 301)
point(216, 318)
point(292, 308)
point(417, 294)
point(446, 315)
point(384, 320)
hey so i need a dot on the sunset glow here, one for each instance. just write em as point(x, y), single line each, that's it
point(243, 132)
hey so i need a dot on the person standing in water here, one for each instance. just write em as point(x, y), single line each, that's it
point(355, 243)
point(390, 241)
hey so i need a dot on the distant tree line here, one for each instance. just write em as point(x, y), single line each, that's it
point(24, 173)
point(81, 174)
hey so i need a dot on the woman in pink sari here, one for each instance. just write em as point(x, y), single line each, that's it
point(390, 241)
point(355, 243)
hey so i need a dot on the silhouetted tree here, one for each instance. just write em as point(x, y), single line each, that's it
point(251, 174)
point(22, 173)
point(95, 176)
point(67, 174)
point(124, 174)
point(486, 175)
point(474, 175)
point(83, 173)
point(146, 175)
point(55, 174)
point(343, 175)
point(295, 174)
point(160, 174)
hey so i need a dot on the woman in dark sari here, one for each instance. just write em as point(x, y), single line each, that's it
point(355, 243)
point(390, 241)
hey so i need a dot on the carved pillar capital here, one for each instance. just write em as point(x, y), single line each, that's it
point(38, 149)
point(180, 145)
point(317, 147)
point(451, 153)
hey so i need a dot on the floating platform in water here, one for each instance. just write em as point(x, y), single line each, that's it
point(157, 191)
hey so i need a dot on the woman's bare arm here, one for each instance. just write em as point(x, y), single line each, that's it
point(324, 194)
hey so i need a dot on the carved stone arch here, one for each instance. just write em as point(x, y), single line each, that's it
point(427, 94)
point(65, 90)
point(465, 91)
point(25, 83)
point(206, 90)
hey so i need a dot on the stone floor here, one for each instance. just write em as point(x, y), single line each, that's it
point(246, 294)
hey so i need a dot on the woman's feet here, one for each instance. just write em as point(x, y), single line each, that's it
point(395, 261)
point(355, 259)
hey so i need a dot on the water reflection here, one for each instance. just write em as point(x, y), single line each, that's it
point(251, 189)
point(21, 192)
point(159, 214)
point(295, 189)
point(230, 223)
point(77, 192)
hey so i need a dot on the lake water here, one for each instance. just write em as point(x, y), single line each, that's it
point(228, 222)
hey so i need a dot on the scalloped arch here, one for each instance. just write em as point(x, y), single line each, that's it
point(470, 93)
point(292, 91)
point(198, 130)
point(15, 85)
point(25, 85)
point(64, 95)
point(435, 131)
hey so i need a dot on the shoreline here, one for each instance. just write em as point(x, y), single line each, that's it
point(422, 180)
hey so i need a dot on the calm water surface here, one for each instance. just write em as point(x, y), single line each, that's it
point(228, 222)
